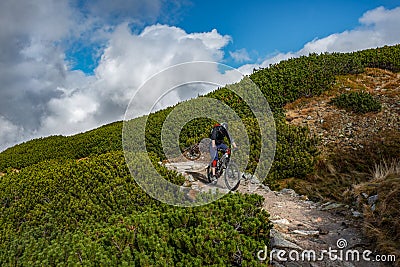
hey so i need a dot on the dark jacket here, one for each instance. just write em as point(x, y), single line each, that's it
point(218, 133)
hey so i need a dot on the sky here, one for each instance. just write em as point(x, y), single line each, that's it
point(68, 66)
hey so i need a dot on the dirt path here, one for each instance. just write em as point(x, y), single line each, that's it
point(301, 226)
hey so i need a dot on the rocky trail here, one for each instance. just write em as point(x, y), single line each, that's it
point(301, 227)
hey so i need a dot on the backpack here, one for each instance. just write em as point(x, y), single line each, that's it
point(219, 130)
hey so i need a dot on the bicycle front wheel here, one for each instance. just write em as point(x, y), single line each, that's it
point(232, 176)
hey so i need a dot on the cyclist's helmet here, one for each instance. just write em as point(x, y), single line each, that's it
point(225, 125)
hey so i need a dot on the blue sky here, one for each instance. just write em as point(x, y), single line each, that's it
point(261, 28)
point(67, 66)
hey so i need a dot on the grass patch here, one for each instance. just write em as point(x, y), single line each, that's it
point(382, 219)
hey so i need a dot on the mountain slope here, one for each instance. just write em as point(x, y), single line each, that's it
point(72, 199)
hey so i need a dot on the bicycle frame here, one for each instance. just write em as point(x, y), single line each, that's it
point(230, 170)
point(221, 163)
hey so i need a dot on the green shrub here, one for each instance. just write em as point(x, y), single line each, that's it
point(92, 213)
point(359, 102)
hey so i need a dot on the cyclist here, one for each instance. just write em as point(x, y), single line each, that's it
point(218, 133)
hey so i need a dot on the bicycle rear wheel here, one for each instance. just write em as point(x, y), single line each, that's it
point(232, 176)
point(208, 174)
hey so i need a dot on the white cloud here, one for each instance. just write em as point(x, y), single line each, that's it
point(240, 55)
point(32, 65)
point(9, 133)
point(40, 95)
point(41, 19)
point(127, 62)
point(378, 27)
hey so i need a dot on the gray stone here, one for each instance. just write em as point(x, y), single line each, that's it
point(293, 264)
point(332, 206)
point(372, 200)
point(278, 241)
point(304, 232)
point(373, 207)
point(326, 204)
point(190, 178)
point(281, 221)
point(277, 264)
point(357, 214)
point(288, 191)
point(266, 187)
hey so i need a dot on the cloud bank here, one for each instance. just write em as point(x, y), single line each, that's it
point(41, 95)
point(378, 27)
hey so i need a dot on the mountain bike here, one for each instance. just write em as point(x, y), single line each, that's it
point(228, 168)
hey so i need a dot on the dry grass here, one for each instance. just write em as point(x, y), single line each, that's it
point(382, 222)
point(384, 169)
point(372, 81)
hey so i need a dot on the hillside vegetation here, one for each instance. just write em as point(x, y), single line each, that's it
point(71, 200)
point(359, 151)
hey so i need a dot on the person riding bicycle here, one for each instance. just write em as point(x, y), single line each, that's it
point(218, 133)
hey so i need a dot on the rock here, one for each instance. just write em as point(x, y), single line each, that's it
point(251, 178)
point(332, 206)
point(254, 180)
point(265, 187)
point(195, 186)
point(278, 204)
point(326, 204)
point(281, 221)
point(304, 232)
point(319, 241)
point(309, 117)
point(277, 241)
point(288, 191)
point(213, 190)
point(357, 214)
point(192, 194)
point(292, 264)
point(373, 207)
point(190, 178)
point(187, 184)
point(247, 176)
point(372, 200)
point(277, 264)
point(323, 231)
point(304, 197)
point(365, 195)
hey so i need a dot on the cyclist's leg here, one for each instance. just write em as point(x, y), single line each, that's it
point(223, 147)
point(214, 159)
